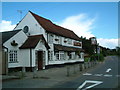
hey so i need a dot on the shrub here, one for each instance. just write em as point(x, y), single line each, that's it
point(87, 59)
point(99, 57)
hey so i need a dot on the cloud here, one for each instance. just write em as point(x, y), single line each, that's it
point(81, 24)
point(109, 43)
point(6, 26)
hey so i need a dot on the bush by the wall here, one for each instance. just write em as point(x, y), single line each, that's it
point(98, 57)
point(87, 59)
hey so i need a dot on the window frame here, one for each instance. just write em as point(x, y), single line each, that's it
point(61, 55)
point(50, 55)
point(13, 56)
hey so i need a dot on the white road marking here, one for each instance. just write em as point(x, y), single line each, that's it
point(108, 70)
point(98, 74)
point(87, 74)
point(89, 81)
point(107, 75)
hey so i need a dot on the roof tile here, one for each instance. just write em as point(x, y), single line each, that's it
point(53, 28)
point(32, 42)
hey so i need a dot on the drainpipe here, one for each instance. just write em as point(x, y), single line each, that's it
point(30, 58)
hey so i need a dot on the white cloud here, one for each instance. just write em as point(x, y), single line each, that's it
point(109, 43)
point(6, 26)
point(80, 24)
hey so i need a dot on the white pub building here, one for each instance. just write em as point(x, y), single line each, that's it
point(37, 42)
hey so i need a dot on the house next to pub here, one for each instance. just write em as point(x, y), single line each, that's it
point(37, 42)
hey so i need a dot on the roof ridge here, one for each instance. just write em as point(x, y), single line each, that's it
point(40, 16)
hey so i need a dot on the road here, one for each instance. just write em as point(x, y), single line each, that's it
point(105, 75)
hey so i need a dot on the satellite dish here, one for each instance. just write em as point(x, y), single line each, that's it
point(25, 29)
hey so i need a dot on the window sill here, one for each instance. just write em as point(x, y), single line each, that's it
point(14, 62)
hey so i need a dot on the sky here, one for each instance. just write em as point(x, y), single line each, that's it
point(87, 19)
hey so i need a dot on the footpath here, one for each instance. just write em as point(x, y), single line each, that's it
point(46, 78)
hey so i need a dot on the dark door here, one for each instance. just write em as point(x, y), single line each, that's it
point(40, 60)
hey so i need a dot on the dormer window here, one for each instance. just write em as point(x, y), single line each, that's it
point(69, 41)
point(57, 38)
point(65, 40)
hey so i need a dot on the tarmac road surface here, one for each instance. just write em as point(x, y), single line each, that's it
point(106, 76)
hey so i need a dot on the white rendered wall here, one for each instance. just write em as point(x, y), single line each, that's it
point(34, 27)
point(25, 57)
point(19, 38)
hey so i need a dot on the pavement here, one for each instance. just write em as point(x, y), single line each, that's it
point(44, 78)
point(51, 73)
point(8, 77)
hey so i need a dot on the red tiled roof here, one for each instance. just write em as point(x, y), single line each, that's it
point(53, 28)
point(32, 42)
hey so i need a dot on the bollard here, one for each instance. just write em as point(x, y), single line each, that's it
point(80, 67)
point(92, 63)
point(35, 73)
point(84, 66)
point(95, 62)
point(88, 65)
point(68, 71)
point(74, 69)
point(23, 71)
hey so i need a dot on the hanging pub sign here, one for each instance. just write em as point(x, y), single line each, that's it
point(93, 41)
